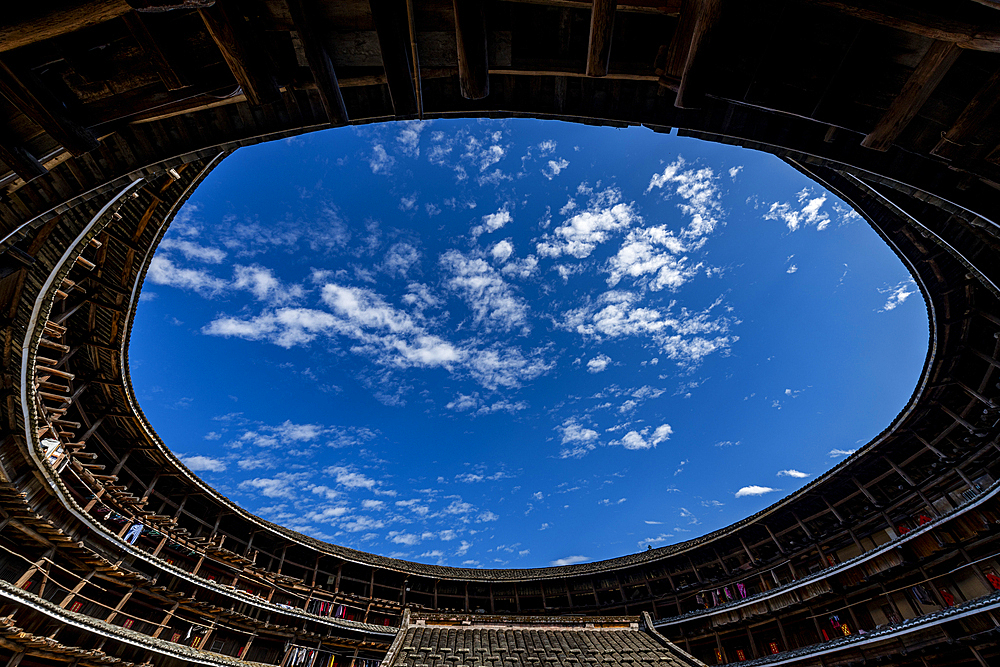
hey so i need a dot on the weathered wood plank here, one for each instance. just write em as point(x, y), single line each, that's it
point(473, 53)
point(687, 58)
point(242, 51)
point(171, 79)
point(917, 89)
point(390, 22)
point(602, 24)
point(22, 162)
point(38, 104)
point(972, 118)
point(320, 64)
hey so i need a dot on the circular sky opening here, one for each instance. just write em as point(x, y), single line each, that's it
point(518, 343)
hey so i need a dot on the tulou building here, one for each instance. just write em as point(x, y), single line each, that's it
point(113, 111)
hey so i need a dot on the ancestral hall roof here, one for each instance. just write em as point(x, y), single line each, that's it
point(443, 640)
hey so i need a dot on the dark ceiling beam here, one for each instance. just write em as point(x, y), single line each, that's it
point(687, 55)
point(971, 120)
point(19, 159)
point(917, 89)
point(320, 65)
point(390, 18)
point(243, 50)
point(473, 53)
point(33, 100)
point(602, 24)
point(976, 30)
point(168, 75)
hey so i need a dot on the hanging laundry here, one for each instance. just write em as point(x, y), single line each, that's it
point(133, 533)
point(742, 590)
point(949, 599)
point(993, 579)
point(729, 595)
point(923, 518)
point(922, 595)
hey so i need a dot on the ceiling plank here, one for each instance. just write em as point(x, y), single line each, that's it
point(473, 54)
point(390, 19)
point(242, 50)
point(602, 24)
point(918, 88)
point(320, 65)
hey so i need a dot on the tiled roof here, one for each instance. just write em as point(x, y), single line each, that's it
point(551, 642)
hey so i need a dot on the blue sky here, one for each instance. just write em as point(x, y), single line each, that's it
point(518, 343)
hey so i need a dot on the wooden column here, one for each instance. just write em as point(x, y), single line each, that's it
point(319, 61)
point(602, 23)
point(687, 53)
point(967, 125)
point(390, 18)
point(243, 51)
point(473, 53)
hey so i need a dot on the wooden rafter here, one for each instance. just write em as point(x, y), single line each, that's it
point(137, 26)
point(20, 160)
point(33, 100)
point(685, 59)
point(602, 23)
point(971, 120)
point(918, 88)
point(242, 51)
point(390, 18)
point(473, 53)
point(319, 61)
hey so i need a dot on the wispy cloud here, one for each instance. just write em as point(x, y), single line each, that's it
point(898, 294)
point(792, 473)
point(754, 490)
point(569, 560)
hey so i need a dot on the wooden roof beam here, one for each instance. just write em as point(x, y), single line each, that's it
point(969, 122)
point(391, 21)
point(602, 24)
point(168, 75)
point(473, 53)
point(916, 91)
point(242, 50)
point(20, 160)
point(686, 54)
point(320, 64)
point(971, 30)
point(38, 104)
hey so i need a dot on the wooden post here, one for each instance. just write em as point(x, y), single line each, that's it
point(970, 121)
point(473, 54)
point(320, 64)
point(241, 50)
point(389, 17)
point(703, 17)
point(602, 23)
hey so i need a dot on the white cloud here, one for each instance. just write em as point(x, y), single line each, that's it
point(898, 294)
point(792, 269)
point(400, 259)
point(598, 363)
point(569, 560)
point(409, 137)
point(684, 337)
point(734, 171)
point(699, 191)
point(398, 537)
point(193, 251)
point(792, 473)
point(380, 161)
point(546, 147)
point(576, 439)
point(652, 255)
point(502, 251)
point(264, 285)
point(492, 222)
point(808, 213)
point(754, 490)
point(638, 440)
point(836, 453)
point(203, 464)
point(162, 271)
point(350, 479)
point(583, 232)
point(554, 167)
point(485, 292)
